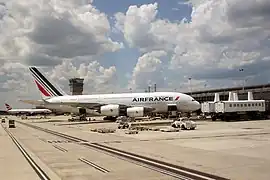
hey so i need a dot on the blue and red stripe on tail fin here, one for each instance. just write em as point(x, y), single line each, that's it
point(46, 88)
point(8, 106)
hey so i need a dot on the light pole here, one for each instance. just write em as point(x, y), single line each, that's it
point(242, 70)
point(205, 86)
point(189, 79)
point(245, 81)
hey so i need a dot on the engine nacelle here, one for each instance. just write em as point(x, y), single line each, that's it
point(110, 110)
point(136, 112)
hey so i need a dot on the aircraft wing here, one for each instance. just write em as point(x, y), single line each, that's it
point(93, 106)
point(33, 102)
point(96, 106)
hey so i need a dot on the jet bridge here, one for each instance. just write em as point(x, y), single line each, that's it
point(234, 108)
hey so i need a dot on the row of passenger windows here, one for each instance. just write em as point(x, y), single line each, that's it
point(246, 105)
point(144, 103)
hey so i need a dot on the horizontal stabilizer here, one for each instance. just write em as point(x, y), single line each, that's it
point(33, 102)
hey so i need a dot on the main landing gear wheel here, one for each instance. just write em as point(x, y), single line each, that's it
point(111, 118)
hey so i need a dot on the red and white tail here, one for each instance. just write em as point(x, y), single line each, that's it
point(8, 106)
point(46, 88)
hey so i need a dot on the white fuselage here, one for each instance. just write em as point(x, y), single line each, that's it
point(67, 109)
point(157, 100)
point(30, 111)
point(58, 107)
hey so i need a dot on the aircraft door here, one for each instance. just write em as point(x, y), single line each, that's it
point(172, 107)
point(172, 110)
point(82, 111)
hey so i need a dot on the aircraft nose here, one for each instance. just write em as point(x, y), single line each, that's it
point(197, 105)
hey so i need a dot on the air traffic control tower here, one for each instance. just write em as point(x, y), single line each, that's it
point(76, 86)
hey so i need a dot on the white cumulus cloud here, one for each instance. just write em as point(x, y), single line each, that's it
point(146, 70)
point(54, 34)
point(96, 77)
point(70, 37)
point(36, 31)
point(222, 36)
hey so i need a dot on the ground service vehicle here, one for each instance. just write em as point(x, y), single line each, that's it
point(11, 123)
point(184, 123)
point(123, 125)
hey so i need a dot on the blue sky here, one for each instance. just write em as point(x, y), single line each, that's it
point(166, 8)
point(126, 58)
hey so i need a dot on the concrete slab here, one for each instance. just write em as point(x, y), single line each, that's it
point(216, 144)
point(62, 164)
point(223, 148)
point(68, 166)
point(13, 165)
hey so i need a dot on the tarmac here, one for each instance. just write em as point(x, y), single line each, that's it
point(234, 150)
point(12, 163)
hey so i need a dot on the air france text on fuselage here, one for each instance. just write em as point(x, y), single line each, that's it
point(145, 99)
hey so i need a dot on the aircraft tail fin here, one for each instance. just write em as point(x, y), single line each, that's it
point(8, 106)
point(45, 87)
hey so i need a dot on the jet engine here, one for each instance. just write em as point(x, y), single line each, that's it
point(138, 111)
point(112, 110)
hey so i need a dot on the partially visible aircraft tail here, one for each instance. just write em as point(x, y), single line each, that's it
point(8, 106)
point(45, 87)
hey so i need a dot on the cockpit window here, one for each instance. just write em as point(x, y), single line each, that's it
point(192, 99)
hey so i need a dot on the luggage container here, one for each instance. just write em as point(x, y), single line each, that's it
point(11, 123)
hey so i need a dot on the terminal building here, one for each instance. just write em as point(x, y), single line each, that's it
point(76, 86)
point(259, 92)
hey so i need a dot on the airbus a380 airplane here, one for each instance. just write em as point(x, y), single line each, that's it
point(113, 105)
point(26, 111)
point(59, 108)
